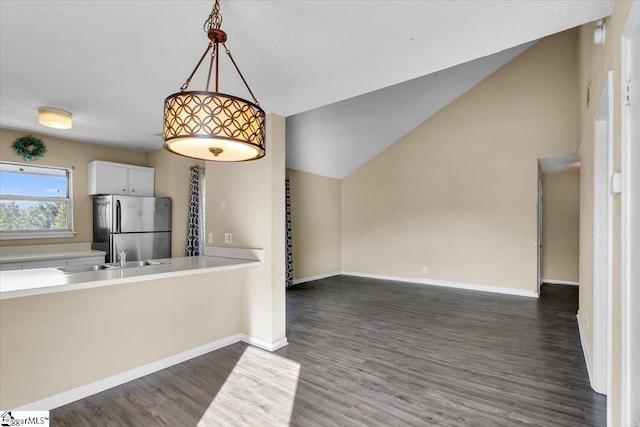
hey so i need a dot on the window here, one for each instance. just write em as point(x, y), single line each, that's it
point(35, 201)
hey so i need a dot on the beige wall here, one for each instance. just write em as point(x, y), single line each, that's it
point(173, 180)
point(316, 223)
point(56, 342)
point(593, 64)
point(75, 338)
point(458, 194)
point(74, 155)
point(561, 225)
point(253, 193)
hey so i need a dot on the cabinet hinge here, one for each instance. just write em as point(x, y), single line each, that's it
point(627, 94)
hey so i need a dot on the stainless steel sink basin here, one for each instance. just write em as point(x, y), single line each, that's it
point(80, 268)
point(110, 266)
point(131, 264)
point(143, 263)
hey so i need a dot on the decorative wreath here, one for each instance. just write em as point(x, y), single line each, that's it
point(29, 147)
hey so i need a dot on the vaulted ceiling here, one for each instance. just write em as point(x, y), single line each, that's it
point(112, 63)
point(336, 139)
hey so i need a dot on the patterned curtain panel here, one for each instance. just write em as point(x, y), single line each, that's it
point(193, 228)
point(289, 239)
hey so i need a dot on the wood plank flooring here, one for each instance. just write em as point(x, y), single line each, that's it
point(367, 352)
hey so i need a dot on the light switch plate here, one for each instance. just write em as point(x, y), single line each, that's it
point(210, 237)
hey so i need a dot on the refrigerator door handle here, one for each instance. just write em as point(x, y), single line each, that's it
point(118, 217)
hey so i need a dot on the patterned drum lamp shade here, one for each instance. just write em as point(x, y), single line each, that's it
point(213, 126)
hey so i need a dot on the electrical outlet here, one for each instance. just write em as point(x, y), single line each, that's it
point(637, 422)
point(227, 237)
point(221, 206)
point(425, 270)
point(210, 237)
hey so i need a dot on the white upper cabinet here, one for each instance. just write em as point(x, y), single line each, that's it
point(118, 178)
point(141, 181)
point(108, 178)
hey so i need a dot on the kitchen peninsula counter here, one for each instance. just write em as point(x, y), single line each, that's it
point(66, 336)
point(22, 283)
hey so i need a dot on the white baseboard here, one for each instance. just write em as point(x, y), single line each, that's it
point(449, 284)
point(560, 282)
point(317, 277)
point(81, 392)
point(264, 344)
point(585, 349)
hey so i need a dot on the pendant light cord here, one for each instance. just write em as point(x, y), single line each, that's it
point(212, 26)
point(214, 21)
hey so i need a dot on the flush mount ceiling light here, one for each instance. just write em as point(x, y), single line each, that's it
point(212, 125)
point(54, 118)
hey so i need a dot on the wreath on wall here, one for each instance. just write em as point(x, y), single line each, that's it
point(29, 148)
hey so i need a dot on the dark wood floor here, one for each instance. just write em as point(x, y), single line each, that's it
point(366, 352)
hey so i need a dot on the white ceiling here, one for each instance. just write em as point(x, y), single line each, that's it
point(336, 139)
point(112, 63)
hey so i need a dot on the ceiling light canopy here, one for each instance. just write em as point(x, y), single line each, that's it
point(212, 125)
point(54, 118)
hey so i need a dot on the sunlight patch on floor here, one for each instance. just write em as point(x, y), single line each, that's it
point(260, 390)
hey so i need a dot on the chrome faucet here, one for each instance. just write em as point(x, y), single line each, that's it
point(122, 256)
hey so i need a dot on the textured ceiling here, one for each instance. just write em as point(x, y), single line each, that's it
point(112, 63)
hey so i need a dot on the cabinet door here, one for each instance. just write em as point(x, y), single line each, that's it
point(108, 178)
point(141, 182)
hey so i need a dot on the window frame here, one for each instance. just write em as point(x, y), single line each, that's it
point(41, 234)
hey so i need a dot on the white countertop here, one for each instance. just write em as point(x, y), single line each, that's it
point(47, 252)
point(46, 257)
point(21, 283)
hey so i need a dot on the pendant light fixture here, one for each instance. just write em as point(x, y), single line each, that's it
point(212, 125)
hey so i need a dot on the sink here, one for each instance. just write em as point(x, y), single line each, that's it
point(143, 263)
point(110, 266)
point(81, 268)
point(132, 264)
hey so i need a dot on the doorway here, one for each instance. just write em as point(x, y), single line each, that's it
point(558, 220)
point(540, 228)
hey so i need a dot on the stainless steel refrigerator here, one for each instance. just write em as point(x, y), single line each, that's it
point(141, 225)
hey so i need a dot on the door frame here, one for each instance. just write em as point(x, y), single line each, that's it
point(540, 235)
point(602, 242)
point(631, 31)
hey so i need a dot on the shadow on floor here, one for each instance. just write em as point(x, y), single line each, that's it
point(177, 396)
point(368, 352)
